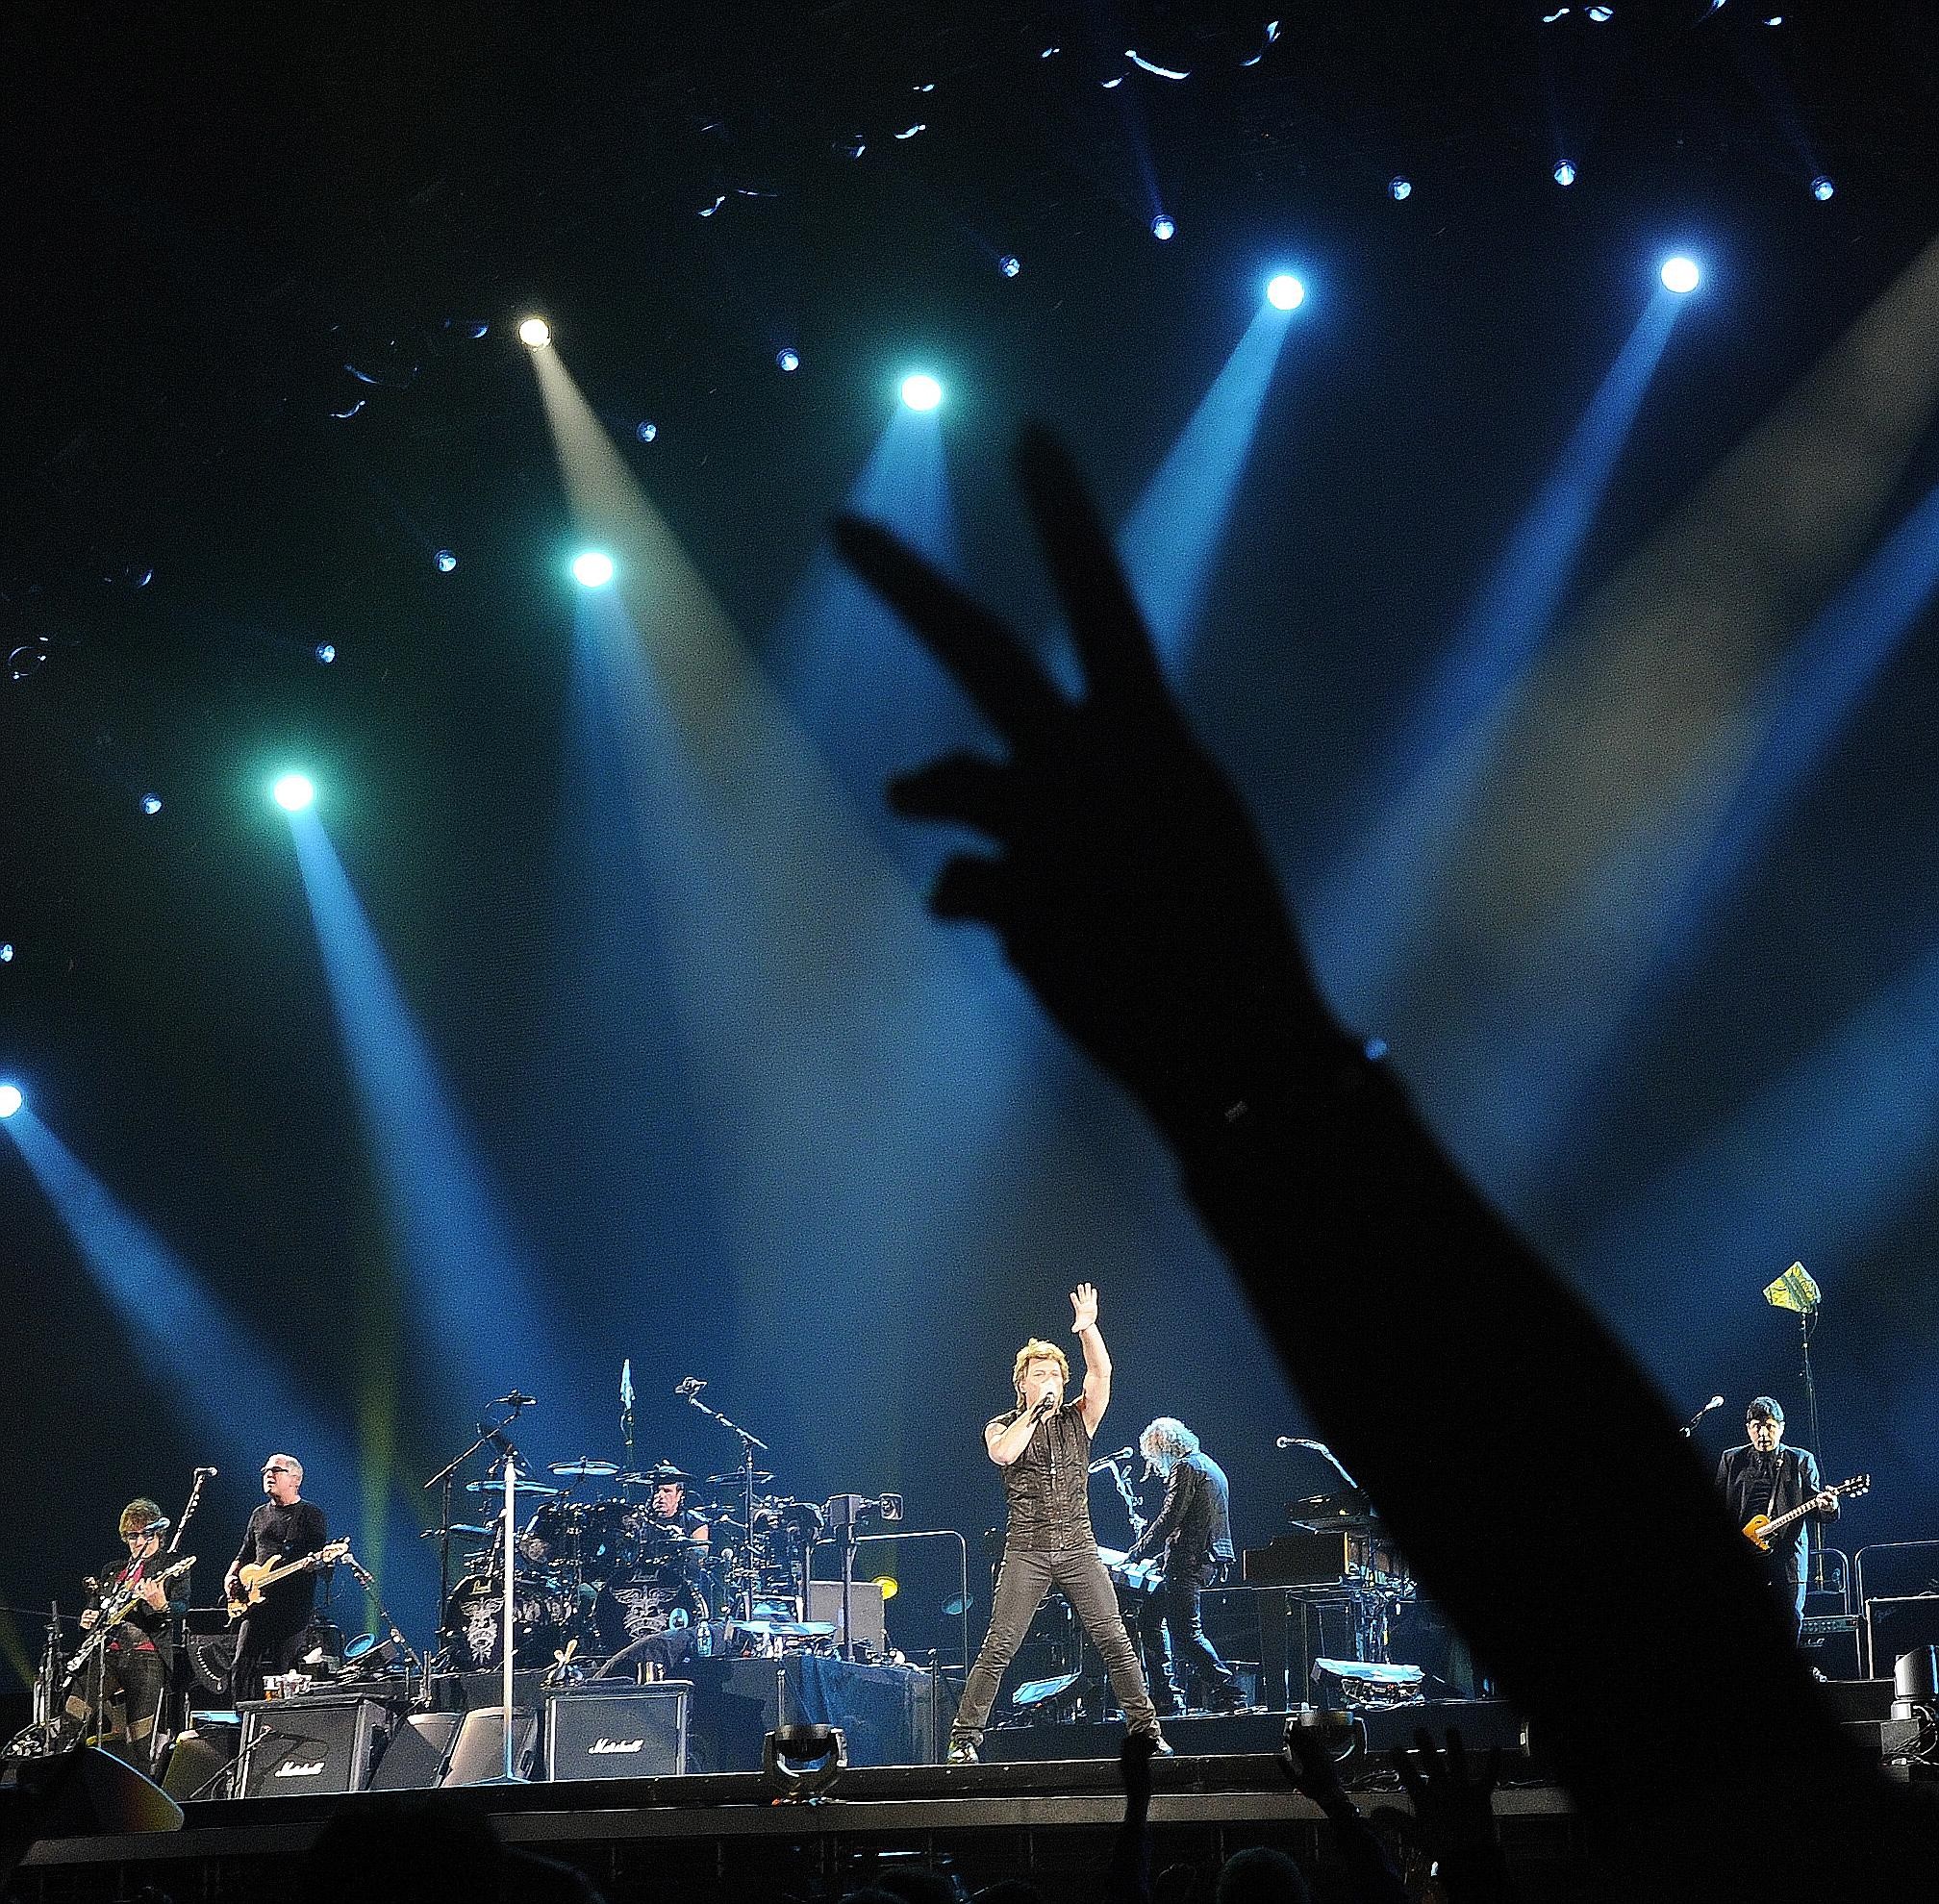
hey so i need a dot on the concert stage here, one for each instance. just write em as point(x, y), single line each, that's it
point(724, 1836)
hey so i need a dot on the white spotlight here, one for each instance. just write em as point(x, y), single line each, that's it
point(1681, 275)
point(1162, 228)
point(11, 1099)
point(535, 334)
point(592, 570)
point(293, 793)
point(921, 392)
point(1285, 292)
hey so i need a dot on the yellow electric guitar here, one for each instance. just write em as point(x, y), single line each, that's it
point(1760, 1527)
point(266, 1574)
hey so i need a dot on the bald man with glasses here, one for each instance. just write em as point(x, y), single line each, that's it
point(286, 1527)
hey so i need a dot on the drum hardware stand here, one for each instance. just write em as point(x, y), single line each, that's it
point(845, 1512)
point(443, 1478)
point(688, 1391)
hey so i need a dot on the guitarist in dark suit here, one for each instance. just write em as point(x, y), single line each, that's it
point(1767, 1478)
point(137, 1660)
point(286, 1527)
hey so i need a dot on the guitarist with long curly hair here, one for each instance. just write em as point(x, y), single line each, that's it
point(139, 1654)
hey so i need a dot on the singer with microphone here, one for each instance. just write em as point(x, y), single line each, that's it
point(1044, 1448)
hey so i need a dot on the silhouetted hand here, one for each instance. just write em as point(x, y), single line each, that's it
point(1451, 1799)
point(1307, 1756)
point(1127, 885)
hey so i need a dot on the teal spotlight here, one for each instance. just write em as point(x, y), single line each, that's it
point(1285, 292)
point(592, 570)
point(293, 793)
point(921, 392)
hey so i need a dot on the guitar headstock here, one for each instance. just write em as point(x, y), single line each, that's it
point(328, 1556)
point(1859, 1484)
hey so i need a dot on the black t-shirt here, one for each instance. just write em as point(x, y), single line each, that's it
point(276, 1534)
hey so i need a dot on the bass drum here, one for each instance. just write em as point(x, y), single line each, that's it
point(646, 1604)
point(474, 1623)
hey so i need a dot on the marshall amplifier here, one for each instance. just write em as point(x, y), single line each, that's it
point(602, 1730)
point(296, 1746)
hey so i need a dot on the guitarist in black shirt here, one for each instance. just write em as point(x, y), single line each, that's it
point(1769, 1479)
point(286, 1527)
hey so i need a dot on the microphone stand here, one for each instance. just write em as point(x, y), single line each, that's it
point(748, 1444)
point(369, 1587)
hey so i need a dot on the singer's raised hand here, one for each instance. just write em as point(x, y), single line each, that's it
point(1127, 883)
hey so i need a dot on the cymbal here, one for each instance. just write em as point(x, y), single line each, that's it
point(496, 1487)
point(465, 1530)
point(762, 1477)
point(786, 1629)
point(586, 1466)
point(654, 1476)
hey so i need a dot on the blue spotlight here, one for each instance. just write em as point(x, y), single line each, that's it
point(646, 432)
point(1681, 275)
point(293, 793)
point(921, 392)
point(592, 570)
point(1009, 265)
point(1399, 188)
point(1564, 174)
point(1163, 227)
point(787, 360)
point(11, 1099)
point(1600, 14)
point(446, 561)
point(6, 952)
point(151, 804)
point(1285, 292)
point(326, 652)
point(1822, 188)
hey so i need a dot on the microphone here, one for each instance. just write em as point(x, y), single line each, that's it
point(207, 1473)
point(690, 1386)
point(1107, 1461)
point(514, 1400)
point(1296, 1442)
point(1715, 1401)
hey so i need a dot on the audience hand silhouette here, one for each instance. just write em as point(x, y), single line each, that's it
point(1128, 884)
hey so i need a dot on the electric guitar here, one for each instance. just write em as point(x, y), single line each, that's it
point(1760, 1527)
point(118, 1604)
point(255, 1577)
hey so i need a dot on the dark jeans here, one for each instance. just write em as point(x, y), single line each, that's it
point(1790, 1596)
point(1173, 1628)
point(137, 1680)
point(1026, 1575)
point(267, 1640)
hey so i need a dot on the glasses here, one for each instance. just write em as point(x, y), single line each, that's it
point(277, 1467)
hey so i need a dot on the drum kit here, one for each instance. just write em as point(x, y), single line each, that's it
point(597, 1572)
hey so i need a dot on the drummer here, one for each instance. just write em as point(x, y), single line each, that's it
point(668, 1514)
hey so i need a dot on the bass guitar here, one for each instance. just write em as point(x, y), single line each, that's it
point(118, 1604)
point(256, 1577)
point(1760, 1527)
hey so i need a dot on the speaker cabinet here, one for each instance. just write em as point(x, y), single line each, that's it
point(296, 1746)
point(618, 1731)
point(479, 1754)
point(1899, 1623)
point(865, 1604)
point(419, 1752)
point(198, 1765)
